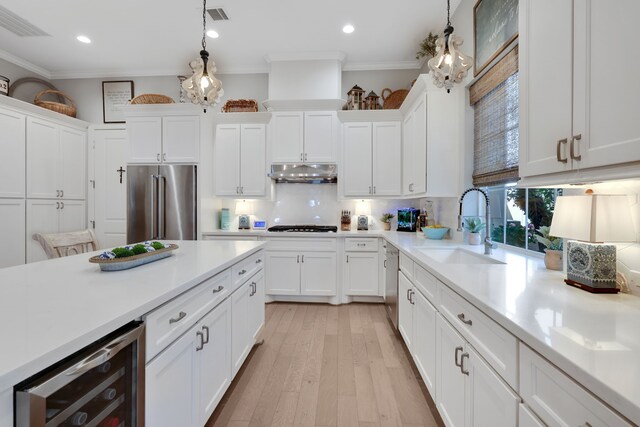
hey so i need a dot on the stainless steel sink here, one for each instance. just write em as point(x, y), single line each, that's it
point(457, 256)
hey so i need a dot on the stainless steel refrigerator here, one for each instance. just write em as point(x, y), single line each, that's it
point(161, 202)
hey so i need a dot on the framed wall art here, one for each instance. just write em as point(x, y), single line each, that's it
point(115, 94)
point(495, 26)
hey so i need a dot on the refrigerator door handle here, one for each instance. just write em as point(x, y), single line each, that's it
point(154, 193)
point(161, 202)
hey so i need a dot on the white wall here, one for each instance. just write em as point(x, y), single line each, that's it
point(378, 80)
point(27, 91)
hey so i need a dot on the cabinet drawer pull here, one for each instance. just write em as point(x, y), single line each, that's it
point(220, 288)
point(464, 371)
point(384, 263)
point(253, 289)
point(301, 156)
point(206, 340)
point(347, 259)
point(558, 147)
point(61, 193)
point(181, 316)
point(302, 259)
point(361, 244)
point(241, 272)
point(572, 151)
point(458, 350)
point(164, 157)
point(57, 205)
point(408, 290)
point(57, 193)
point(411, 298)
point(201, 345)
point(61, 205)
point(298, 259)
point(259, 260)
point(463, 320)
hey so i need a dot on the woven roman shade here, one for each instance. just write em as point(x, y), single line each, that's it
point(496, 120)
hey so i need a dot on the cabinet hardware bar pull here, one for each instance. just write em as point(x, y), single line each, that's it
point(572, 152)
point(385, 263)
point(164, 157)
point(181, 316)
point(61, 205)
point(463, 320)
point(305, 157)
point(158, 157)
point(302, 259)
point(220, 288)
point(301, 156)
point(57, 193)
point(259, 260)
point(57, 205)
point(241, 190)
point(464, 371)
point(206, 340)
point(411, 298)
point(347, 259)
point(241, 272)
point(201, 345)
point(558, 155)
point(455, 356)
point(61, 193)
point(298, 259)
point(374, 189)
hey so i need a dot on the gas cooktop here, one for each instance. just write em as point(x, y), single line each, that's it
point(303, 228)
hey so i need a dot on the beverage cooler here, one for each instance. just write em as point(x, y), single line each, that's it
point(100, 386)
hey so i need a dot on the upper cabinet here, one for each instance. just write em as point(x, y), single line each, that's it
point(577, 119)
point(12, 153)
point(308, 137)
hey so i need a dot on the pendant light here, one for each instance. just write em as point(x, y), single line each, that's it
point(203, 87)
point(450, 65)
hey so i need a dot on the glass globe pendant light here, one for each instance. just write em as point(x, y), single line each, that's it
point(450, 65)
point(203, 87)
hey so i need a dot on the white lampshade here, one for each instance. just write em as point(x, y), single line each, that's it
point(363, 208)
point(593, 218)
point(243, 207)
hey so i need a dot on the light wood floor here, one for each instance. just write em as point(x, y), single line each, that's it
point(324, 365)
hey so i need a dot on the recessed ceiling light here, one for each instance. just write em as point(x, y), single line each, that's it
point(213, 34)
point(348, 29)
point(83, 39)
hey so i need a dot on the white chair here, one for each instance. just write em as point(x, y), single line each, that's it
point(65, 244)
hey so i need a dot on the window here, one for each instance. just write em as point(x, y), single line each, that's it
point(516, 214)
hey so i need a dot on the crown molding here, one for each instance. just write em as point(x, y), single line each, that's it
point(25, 64)
point(306, 56)
point(260, 69)
point(378, 66)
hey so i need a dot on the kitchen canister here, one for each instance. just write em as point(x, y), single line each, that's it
point(4, 85)
point(224, 219)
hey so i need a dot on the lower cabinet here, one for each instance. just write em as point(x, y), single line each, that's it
point(12, 230)
point(256, 306)
point(405, 310)
point(361, 274)
point(240, 343)
point(424, 339)
point(301, 273)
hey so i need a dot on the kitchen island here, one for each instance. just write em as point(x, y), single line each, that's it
point(54, 308)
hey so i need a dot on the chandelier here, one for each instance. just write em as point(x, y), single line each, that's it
point(203, 87)
point(450, 65)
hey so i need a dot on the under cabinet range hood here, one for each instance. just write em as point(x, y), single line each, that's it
point(305, 174)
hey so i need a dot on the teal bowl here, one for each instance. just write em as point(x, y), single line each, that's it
point(435, 233)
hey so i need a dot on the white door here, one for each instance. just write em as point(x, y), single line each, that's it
point(450, 381)
point(240, 339)
point(226, 155)
point(253, 161)
point(419, 148)
point(42, 217)
point(170, 394)
point(12, 154)
point(606, 118)
point(12, 230)
point(361, 273)
point(109, 211)
point(318, 273)
point(405, 310)
point(387, 159)
point(320, 137)
point(73, 163)
point(214, 359)
point(256, 306)
point(357, 159)
point(42, 159)
point(180, 139)
point(424, 340)
point(286, 137)
point(545, 101)
point(408, 143)
point(73, 216)
point(282, 273)
point(145, 139)
point(490, 401)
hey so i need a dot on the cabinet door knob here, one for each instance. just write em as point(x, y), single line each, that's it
point(181, 316)
point(558, 148)
point(464, 320)
point(201, 345)
point(455, 356)
point(464, 356)
point(572, 151)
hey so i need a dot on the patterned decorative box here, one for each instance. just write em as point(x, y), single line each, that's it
point(591, 264)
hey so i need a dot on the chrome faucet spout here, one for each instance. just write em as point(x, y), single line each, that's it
point(488, 244)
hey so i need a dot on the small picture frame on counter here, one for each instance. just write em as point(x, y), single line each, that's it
point(115, 94)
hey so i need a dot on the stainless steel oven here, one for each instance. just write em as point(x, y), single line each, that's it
point(100, 386)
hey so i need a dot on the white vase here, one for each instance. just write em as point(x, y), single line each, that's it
point(474, 239)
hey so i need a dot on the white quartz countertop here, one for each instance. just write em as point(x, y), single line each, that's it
point(53, 308)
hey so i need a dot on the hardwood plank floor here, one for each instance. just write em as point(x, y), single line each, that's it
point(322, 365)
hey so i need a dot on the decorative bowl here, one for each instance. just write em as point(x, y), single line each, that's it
point(117, 264)
point(435, 233)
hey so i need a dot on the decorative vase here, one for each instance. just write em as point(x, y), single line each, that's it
point(553, 259)
point(474, 239)
point(386, 226)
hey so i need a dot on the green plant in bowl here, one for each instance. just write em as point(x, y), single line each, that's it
point(474, 225)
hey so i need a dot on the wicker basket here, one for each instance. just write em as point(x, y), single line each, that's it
point(240, 106)
point(58, 107)
point(152, 98)
point(393, 99)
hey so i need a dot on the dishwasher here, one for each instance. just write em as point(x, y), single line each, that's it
point(391, 283)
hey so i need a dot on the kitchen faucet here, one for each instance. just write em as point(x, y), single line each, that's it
point(488, 244)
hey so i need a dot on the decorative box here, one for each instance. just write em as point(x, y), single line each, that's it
point(592, 265)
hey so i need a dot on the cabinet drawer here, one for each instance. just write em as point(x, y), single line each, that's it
point(301, 244)
point(491, 340)
point(406, 266)
point(426, 283)
point(168, 322)
point(246, 268)
point(526, 418)
point(361, 245)
point(557, 399)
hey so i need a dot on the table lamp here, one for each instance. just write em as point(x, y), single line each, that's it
point(590, 220)
point(243, 210)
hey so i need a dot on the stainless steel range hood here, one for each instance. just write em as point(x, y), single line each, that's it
point(306, 174)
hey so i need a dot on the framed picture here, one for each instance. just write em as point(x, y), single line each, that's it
point(115, 94)
point(495, 26)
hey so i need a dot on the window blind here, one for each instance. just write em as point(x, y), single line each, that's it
point(496, 120)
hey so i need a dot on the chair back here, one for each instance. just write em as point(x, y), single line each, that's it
point(65, 244)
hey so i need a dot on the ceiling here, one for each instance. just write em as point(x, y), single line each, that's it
point(160, 37)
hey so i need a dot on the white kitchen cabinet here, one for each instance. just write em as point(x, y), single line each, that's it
point(52, 216)
point(414, 150)
point(586, 124)
point(450, 382)
point(240, 335)
point(240, 160)
point(12, 153)
point(424, 339)
point(165, 139)
point(256, 306)
point(361, 274)
point(12, 230)
point(372, 159)
point(282, 271)
point(405, 310)
point(301, 273)
point(73, 161)
point(308, 137)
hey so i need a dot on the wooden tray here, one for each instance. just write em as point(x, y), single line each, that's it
point(118, 264)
